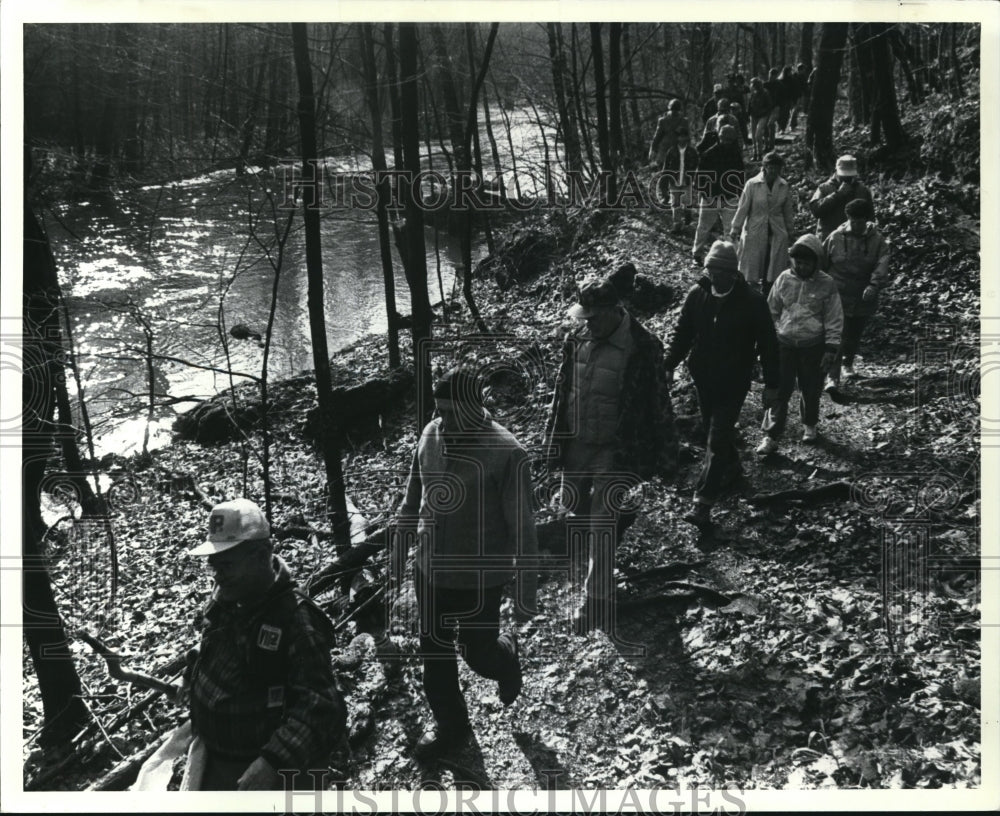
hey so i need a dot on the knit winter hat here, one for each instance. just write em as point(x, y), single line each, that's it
point(461, 386)
point(594, 294)
point(722, 255)
point(859, 208)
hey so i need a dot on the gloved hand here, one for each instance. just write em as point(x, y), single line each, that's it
point(869, 294)
point(829, 358)
point(770, 397)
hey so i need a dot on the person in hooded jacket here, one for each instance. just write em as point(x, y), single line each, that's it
point(808, 318)
point(724, 328)
point(858, 260)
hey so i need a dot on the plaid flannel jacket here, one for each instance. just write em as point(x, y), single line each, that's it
point(263, 683)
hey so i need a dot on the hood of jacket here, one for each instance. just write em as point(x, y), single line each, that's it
point(812, 243)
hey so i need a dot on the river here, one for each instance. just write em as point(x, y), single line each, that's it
point(158, 266)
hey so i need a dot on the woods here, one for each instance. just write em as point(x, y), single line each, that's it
point(297, 228)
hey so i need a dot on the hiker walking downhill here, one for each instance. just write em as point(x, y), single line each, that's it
point(262, 690)
point(468, 507)
point(724, 328)
point(808, 320)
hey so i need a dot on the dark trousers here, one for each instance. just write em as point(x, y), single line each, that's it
point(854, 327)
point(720, 408)
point(475, 615)
point(797, 366)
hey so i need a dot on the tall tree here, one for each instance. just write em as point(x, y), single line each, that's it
point(382, 190)
point(603, 135)
point(329, 441)
point(615, 92)
point(567, 117)
point(885, 120)
point(806, 44)
point(58, 681)
point(819, 125)
point(416, 257)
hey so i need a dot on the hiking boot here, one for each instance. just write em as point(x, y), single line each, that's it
point(832, 387)
point(438, 741)
point(808, 433)
point(767, 445)
point(509, 686)
point(700, 515)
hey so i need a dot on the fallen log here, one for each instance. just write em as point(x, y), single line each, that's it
point(835, 491)
point(114, 660)
point(122, 775)
point(674, 570)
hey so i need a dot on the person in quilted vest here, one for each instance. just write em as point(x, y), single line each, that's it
point(611, 424)
point(263, 695)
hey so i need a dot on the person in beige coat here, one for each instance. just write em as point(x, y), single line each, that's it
point(763, 222)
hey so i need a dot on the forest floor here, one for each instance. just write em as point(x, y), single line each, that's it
point(845, 652)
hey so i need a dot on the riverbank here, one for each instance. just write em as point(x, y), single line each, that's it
point(827, 666)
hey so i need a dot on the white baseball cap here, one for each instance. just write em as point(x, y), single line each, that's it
point(232, 523)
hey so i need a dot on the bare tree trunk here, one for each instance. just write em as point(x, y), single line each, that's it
point(806, 44)
point(615, 92)
point(329, 442)
point(636, 141)
point(416, 258)
point(819, 125)
point(58, 682)
point(884, 109)
point(383, 192)
point(567, 121)
point(580, 99)
point(603, 136)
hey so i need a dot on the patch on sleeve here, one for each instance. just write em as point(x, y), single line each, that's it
point(269, 637)
point(275, 696)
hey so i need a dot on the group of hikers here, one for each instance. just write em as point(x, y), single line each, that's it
point(264, 699)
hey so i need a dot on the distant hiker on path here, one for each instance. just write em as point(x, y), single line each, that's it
point(763, 222)
point(721, 178)
point(468, 506)
point(677, 185)
point(858, 260)
point(808, 319)
point(723, 329)
point(611, 417)
point(263, 694)
point(665, 136)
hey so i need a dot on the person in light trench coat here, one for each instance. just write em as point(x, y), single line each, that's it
point(763, 223)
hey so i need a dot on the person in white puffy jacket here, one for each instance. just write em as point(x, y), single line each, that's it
point(808, 319)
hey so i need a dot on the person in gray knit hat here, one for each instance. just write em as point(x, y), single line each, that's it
point(723, 329)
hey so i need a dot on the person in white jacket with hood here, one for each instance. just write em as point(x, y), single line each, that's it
point(808, 319)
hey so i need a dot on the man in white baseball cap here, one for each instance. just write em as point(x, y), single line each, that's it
point(263, 695)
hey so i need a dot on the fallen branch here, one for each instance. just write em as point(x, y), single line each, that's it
point(835, 491)
point(113, 660)
point(122, 775)
point(674, 570)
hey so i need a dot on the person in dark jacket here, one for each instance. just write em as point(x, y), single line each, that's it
point(776, 92)
point(665, 136)
point(714, 125)
point(710, 108)
point(721, 177)
point(723, 329)
point(759, 106)
point(802, 87)
point(263, 695)
point(611, 421)
point(676, 184)
point(829, 200)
